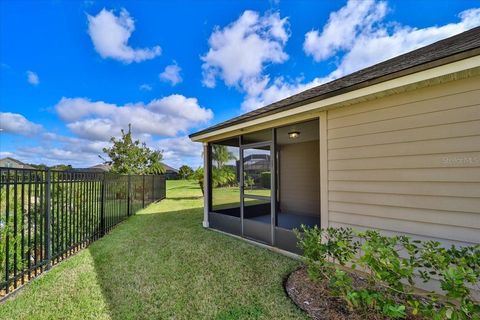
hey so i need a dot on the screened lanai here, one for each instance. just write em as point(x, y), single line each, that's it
point(264, 184)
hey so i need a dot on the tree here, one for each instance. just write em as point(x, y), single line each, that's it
point(199, 175)
point(62, 167)
point(185, 172)
point(38, 166)
point(128, 156)
point(221, 155)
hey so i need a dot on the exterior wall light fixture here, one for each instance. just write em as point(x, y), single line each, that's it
point(294, 134)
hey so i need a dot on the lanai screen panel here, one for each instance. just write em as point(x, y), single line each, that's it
point(298, 175)
point(225, 180)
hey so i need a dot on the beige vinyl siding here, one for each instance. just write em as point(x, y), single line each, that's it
point(409, 163)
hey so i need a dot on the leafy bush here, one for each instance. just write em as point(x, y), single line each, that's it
point(198, 175)
point(248, 182)
point(185, 172)
point(391, 266)
point(224, 177)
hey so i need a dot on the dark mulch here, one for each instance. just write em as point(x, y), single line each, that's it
point(318, 302)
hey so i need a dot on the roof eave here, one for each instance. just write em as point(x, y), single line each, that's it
point(455, 63)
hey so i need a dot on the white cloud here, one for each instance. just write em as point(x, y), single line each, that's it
point(181, 150)
point(93, 123)
point(81, 153)
point(17, 124)
point(63, 154)
point(278, 89)
point(73, 150)
point(171, 74)
point(359, 36)
point(74, 143)
point(145, 87)
point(71, 109)
point(239, 52)
point(93, 129)
point(359, 32)
point(342, 28)
point(110, 35)
point(48, 147)
point(98, 120)
point(33, 78)
point(51, 149)
point(6, 154)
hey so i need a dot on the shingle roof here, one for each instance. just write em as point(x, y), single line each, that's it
point(168, 168)
point(25, 166)
point(448, 50)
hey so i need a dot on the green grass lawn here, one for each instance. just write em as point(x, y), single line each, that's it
point(229, 197)
point(161, 264)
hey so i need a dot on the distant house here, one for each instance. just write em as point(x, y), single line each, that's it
point(13, 163)
point(170, 173)
point(102, 167)
point(257, 162)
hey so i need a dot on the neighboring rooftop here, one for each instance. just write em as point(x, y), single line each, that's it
point(9, 162)
point(458, 47)
point(169, 169)
point(102, 167)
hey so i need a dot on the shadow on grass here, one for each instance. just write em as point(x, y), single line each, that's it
point(183, 188)
point(186, 198)
point(127, 260)
point(166, 265)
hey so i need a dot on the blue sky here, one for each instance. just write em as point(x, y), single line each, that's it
point(72, 73)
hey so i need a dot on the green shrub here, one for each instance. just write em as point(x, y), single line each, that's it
point(337, 246)
point(458, 269)
point(224, 177)
point(391, 266)
point(248, 182)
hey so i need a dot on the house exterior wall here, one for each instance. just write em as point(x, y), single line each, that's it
point(12, 163)
point(407, 163)
point(299, 178)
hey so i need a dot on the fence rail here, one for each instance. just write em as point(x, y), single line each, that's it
point(47, 215)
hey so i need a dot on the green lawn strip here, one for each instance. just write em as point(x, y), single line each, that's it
point(229, 197)
point(161, 264)
point(70, 290)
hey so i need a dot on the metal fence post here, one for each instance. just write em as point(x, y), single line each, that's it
point(129, 197)
point(163, 180)
point(143, 196)
point(48, 203)
point(153, 188)
point(7, 238)
point(102, 209)
point(49, 215)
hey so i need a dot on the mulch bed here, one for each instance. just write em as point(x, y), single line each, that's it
point(319, 303)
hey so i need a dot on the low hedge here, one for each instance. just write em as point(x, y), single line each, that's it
point(393, 266)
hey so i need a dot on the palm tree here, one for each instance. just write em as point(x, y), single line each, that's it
point(221, 155)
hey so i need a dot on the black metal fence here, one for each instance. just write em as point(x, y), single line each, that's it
point(47, 215)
